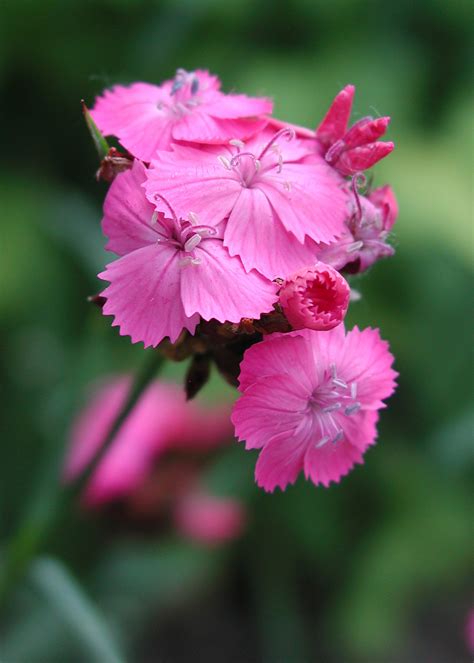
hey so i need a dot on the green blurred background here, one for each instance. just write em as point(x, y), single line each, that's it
point(375, 569)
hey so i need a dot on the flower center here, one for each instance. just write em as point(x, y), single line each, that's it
point(333, 395)
point(184, 92)
point(184, 234)
point(249, 166)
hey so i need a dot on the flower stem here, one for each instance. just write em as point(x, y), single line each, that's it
point(47, 509)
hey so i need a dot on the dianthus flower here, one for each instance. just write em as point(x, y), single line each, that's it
point(146, 118)
point(310, 402)
point(276, 204)
point(365, 240)
point(208, 519)
point(353, 150)
point(315, 298)
point(172, 271)
point(161, 421)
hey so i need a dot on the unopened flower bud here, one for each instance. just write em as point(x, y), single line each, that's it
point(315, 298)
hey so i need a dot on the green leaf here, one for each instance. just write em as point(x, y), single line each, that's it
point(100, 143)
point(75, 609)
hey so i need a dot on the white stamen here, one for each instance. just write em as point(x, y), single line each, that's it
point(354, 390)
point(257, 165)
point(333, 371)
point(189, 260)
point(338, 437)
point(287, 185)
point(181, 107)
point(225, 162)
point(193, 217)
point(280, 163)
point(355, 246)
point(192, 242)
point(332, 408)
point(237, 143)
point(322, 442)
point(154, 218)
point(352, 409)
point(339, 383)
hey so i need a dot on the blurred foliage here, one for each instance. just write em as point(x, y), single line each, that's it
point(374, 569)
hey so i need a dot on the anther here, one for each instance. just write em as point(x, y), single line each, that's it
point(355, 246)
point(225, 162)
point(338, 437)
point(192, 242)
point(322, 442)
point(339, 383)
point(352, 409)
point(332, 408)
point(354, 390)
point(193, 217)
point(237, 143)
point(154, 218)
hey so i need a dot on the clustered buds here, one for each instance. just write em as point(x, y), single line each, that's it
point(232, 229)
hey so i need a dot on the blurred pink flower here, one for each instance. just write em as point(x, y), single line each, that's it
point(315, 298)
point(172, 271)
point(470, 631)
point(351, 150)
point(191, 107)
point(278, 197)
point(209, 520)
point(310, 402)
point(161, 421)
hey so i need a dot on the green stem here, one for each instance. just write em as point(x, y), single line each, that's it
point(46, 513)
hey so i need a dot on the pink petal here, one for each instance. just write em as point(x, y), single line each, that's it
point(360, 429)
point(276, 355)
point(315, 204)
point(234, 106)
point(366, 359)
point(127, 213)
point(330, 462)
point(132, 114)
point(336, 119)
point(220, 288)
point(255, 233)
point(268, 407)
point(144, 295)
point(200, 127)
point(282, 459)
point(200, 185)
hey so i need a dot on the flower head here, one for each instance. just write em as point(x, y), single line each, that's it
point(353, 150)
point(366, 238)
point(172, 271)
point(310, 402)
point(161, 420)
point(315, 298)
point(190, 107)
point(277, 204)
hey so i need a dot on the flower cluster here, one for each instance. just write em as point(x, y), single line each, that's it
point(233, 231)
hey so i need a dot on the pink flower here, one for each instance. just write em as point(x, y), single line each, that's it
point(171, 271)
point(310, 402)
point(351, 150)
point(277, 204)
point(209, 520)
point(146, 118)
point(161, 420)
point(315, 298)
point(469, 631)
point(365, 240)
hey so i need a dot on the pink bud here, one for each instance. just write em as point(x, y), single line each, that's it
point(315, 298)
point(358, 159)
point(384, 199)
point(335, 122)
point(366, 130)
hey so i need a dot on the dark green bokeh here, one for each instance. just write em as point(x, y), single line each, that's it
point(374, 569)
